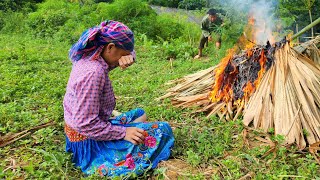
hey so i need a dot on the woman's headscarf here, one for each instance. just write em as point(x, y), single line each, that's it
point(92, 41)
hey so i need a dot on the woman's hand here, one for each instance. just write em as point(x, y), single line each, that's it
point(210, 38)
point(126, 61)
point(134, 135)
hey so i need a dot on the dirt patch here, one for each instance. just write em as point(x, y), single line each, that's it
point(177, 169)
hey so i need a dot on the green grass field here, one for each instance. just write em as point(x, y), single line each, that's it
point(33, 77)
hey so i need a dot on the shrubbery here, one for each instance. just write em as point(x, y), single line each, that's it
point(127, 11)
point(18, 5)
point(192, 4)
point(184, 4)
point(49, 18)
point(13, 22)
point(65, 20)
point(167, 3)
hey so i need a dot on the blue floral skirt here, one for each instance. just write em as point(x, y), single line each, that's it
point(121, 157)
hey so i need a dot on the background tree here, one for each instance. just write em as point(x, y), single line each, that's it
point(296, 12)
point(309, 4)
point(192, 4)
point(16, 5)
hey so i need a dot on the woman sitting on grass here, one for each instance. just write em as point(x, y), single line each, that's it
point(101, 144)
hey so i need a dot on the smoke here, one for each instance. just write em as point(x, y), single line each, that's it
point(262, 11)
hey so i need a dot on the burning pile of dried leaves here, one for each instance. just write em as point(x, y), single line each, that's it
point(272, 86)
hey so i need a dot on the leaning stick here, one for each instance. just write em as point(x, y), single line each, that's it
point(314, 23)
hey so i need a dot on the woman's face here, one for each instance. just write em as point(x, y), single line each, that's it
point(111, 54)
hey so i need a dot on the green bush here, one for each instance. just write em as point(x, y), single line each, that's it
point(2, 22)
point(192, 4)
point(127, 11)
point(176, 49)
point(167, 3)
point(146, 25)
point(65, 21)
point(70, 32)
point(168, 27)
point(49, 18)
point(82, 18)
point(139, 16)
point(136, 14)
point(18, 5)
point(12, 22)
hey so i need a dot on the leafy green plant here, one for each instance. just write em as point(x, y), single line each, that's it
point(127, 11)
point(192, 4)
point(49, 18)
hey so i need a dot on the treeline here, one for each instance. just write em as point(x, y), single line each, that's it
point(299, 13)
point(183, 4)
point(293, 13)
point(67, 19)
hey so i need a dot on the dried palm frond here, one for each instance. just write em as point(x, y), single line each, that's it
point(288, 99)
point(311, 49)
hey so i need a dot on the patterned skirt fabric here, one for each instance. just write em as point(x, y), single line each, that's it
point(120, 157)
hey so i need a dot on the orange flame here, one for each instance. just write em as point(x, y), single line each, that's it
point(248, 89)
point(291, 44)
point(224, 80)
point(222, 89)
point(262, 61)
point(253, 31)
point(246, 41)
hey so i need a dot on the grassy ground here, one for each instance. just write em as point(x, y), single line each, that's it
point(33, 77)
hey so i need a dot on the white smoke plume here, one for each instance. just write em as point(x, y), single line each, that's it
point(262, 11)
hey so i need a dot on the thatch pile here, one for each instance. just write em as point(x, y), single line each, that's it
point(276, 87)
point(288, 99)
point(311, 49)
point(225, 88)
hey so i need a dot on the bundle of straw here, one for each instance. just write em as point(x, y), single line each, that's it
point(191, 90)
point(288, 99)
point(311, 49)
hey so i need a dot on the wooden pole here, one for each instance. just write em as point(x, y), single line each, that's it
point(305, 29)
point(311, 22)
point(297, 30)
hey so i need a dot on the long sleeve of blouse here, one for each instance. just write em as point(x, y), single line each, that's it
point(89, 101)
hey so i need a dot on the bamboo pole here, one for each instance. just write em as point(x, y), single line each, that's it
point(297, 30)
point(310, 15)
point(306, 29)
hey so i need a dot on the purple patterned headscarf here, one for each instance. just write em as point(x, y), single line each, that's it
point(92, 41)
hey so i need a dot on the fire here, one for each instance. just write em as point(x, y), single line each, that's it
point(246, 41)
point(227, 77)
point(255, 31)
point(251, 87)
point(248, 89)
point(262, 62)
point(224, 77)
point(289, 37)
point(251, 21)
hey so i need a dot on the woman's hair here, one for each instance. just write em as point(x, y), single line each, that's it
point(92, 41)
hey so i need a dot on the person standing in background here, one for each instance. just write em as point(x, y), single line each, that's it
point(210, 25)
